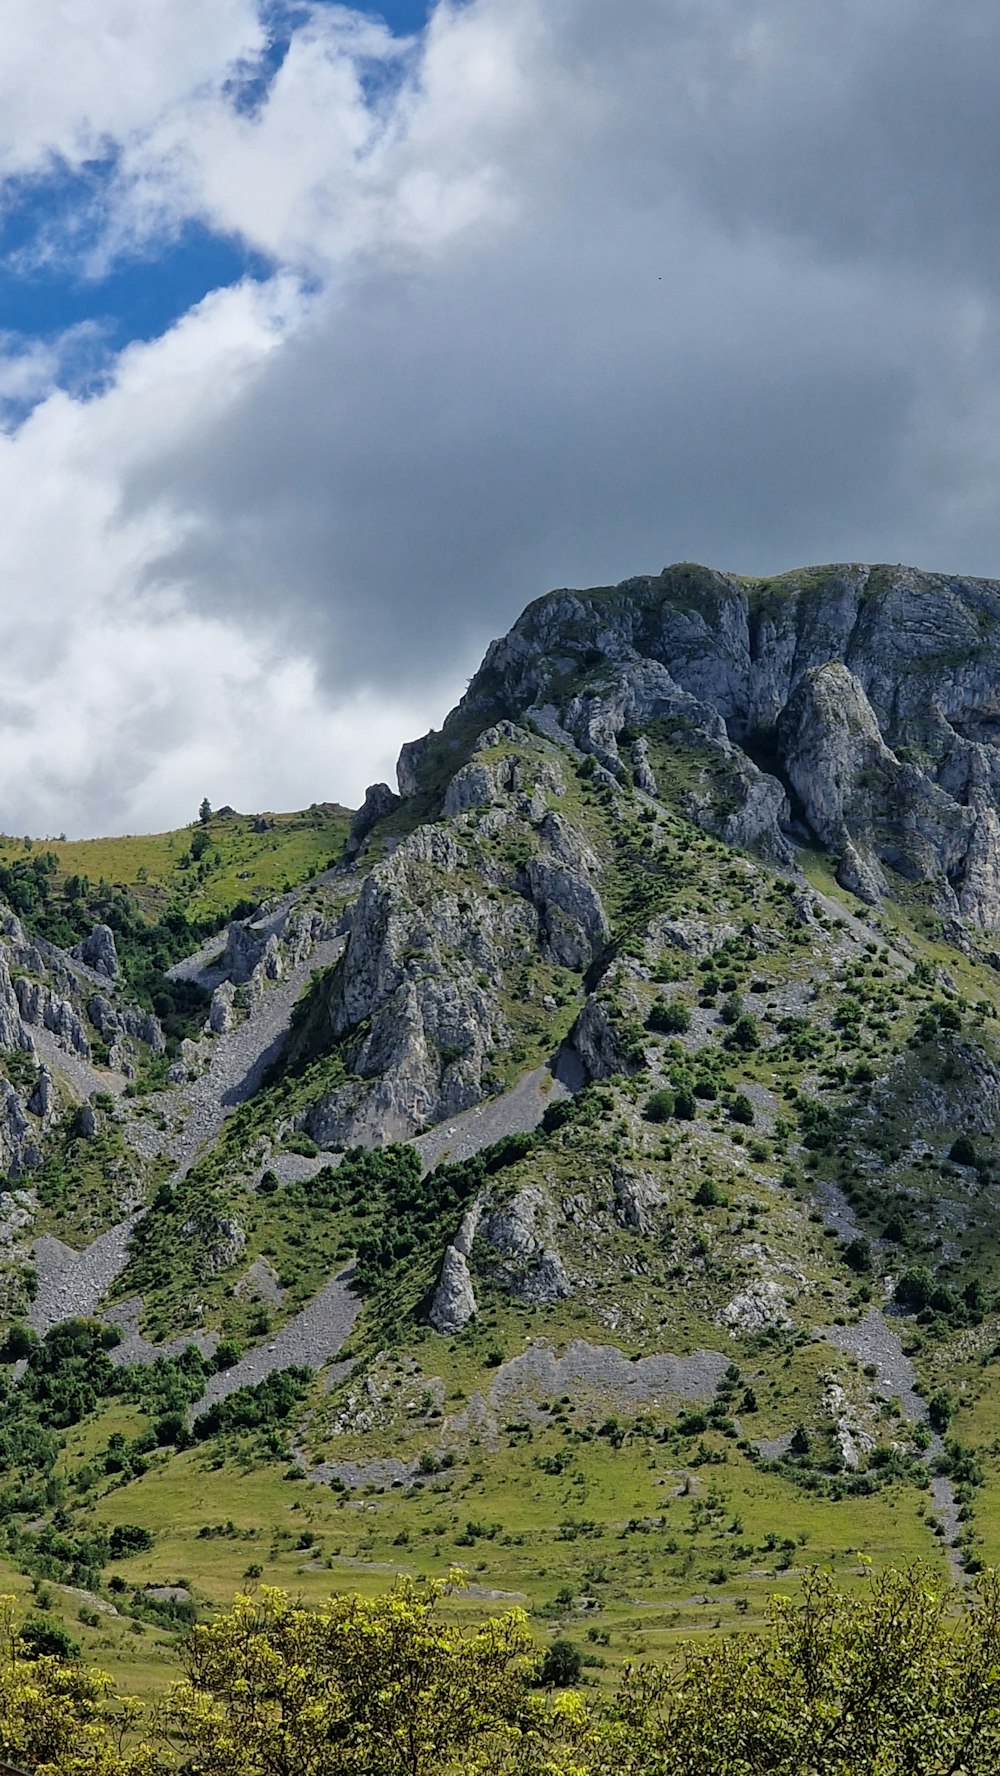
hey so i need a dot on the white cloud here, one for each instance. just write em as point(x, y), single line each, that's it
point(562, 295)
point(80, 75)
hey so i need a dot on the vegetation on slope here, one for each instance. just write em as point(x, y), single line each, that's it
point(165, 894)
point(896, 1681)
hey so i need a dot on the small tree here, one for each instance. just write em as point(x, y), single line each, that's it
point(743, 1034)
point(205, 812)
point(561, 1666)
point(381, 1685)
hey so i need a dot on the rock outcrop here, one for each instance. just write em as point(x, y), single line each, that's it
point(860, 705)
point(454, 1302)
point(39, 1005)
point(99, 953)
point(379, 801)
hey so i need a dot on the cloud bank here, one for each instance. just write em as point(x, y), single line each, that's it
point(560, 292)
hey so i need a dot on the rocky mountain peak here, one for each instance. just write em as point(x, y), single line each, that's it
point(853, 706)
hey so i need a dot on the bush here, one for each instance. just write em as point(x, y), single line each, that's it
point(709, 1196)
point(744, 1034)
point(19, 1343)
point(562, 1666)
point(129, 1538)
point(939, 1412)
point(40, 1638)
point(741, 1109)
point(171, 1428)
point(963, 1151)
point(914, 1289)
point(670, 1020)
point(858, 1256)
point(685, 1107)
point(659, 1106)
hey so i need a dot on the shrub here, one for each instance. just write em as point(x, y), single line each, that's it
point(914, 1289)
point(939, 1412)
point(562, 1665)
point(685, 1107)
point(963, 1151)
point(659, 1106)
point(129, 1538)
point(858, 1256)
point(670, 1020)
point(741, 1109)
point(708, 1195)
point(19, 1343)
point(744, 1034)
point(40, 1638)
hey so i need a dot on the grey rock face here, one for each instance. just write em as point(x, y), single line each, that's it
point(598, 1043)
point(39, 1005)
point(635, 1197)
point(112, 1025)
point(104, 1017)
point(222, 1238)
point(99, 953)
point(19, 1149)
point(379, 801)
point(13, 1035)
point(574, 925)
point(85, 1122)
point(522, 1235)
point(642, 772)
point(873, 694)
point(222, 1016)
point(454, 1303)
point(416, 994)
point(761, 1304)
point(246, 949)
point(42, 1101)
point(486, 781)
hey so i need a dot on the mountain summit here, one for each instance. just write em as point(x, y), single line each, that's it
point(853, 706)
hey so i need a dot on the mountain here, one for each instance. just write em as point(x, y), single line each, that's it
point(590, 1176)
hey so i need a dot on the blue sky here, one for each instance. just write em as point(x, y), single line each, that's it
point(50, 222)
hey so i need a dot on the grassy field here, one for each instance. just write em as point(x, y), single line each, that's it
point(624, 1549)
point(239, 863)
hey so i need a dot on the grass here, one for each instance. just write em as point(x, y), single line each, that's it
point(239, 864)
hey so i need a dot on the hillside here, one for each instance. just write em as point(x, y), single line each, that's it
point(590, 1177)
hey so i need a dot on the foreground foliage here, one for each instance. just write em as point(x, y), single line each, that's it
point(903, 1680)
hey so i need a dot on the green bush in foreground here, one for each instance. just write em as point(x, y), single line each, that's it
point(902, 1680)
